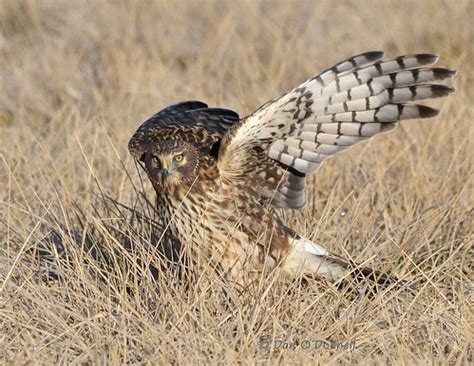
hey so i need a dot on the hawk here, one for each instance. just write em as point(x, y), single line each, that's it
point(219, 178)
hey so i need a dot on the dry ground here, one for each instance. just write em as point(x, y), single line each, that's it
point(76, 80)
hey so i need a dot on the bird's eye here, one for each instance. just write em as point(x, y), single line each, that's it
point(155, 160)
point(179, 158)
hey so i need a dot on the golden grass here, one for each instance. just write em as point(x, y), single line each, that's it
point(77, 78)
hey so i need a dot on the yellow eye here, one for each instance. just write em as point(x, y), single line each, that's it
point(155, 160)
point(179, 158)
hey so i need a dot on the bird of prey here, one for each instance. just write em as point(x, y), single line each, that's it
point(219, 178)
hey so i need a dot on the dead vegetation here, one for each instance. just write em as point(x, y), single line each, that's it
point(82, 278)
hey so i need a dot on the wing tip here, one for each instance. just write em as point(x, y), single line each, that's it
point(439, 90)
point(427, 58)
point(427, 112)
point(373, 55)
point(441, 73)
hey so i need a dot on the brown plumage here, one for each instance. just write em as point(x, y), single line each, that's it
point(218, 178)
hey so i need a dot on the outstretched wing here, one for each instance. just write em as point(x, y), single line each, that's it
point(190, 121)
point(273, 149)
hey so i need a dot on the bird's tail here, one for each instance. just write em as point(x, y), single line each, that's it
point(308, 258)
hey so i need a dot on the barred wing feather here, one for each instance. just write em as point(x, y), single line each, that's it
point(273, 149)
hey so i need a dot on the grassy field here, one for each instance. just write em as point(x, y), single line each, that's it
point(80, 279)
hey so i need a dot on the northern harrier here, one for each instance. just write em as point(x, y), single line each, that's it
point(219, 177)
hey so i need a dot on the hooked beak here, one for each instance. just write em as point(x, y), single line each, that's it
point(165, 169)
point(165, 163)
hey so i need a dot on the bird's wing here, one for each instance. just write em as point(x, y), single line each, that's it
point(189, 121)
point(273, 149)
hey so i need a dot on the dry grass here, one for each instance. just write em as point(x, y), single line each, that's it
point(78, 77)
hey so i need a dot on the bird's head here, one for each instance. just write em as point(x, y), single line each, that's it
point(171, 164)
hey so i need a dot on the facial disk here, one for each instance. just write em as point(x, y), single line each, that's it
point(171, 164)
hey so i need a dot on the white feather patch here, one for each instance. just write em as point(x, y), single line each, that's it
point(306, 245)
